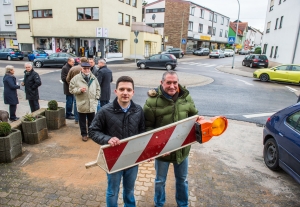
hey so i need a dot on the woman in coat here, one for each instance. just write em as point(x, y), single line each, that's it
point(10, 92)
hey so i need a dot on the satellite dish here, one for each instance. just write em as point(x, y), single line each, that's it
point(153, 17)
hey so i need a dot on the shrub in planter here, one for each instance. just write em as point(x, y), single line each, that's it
point(10, 142)
point(34, 129)
point(55, 115)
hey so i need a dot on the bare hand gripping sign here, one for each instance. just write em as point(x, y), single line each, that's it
point(142, 147)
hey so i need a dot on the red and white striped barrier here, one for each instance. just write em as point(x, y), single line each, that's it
point(148, 145)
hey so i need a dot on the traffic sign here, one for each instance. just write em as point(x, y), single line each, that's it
point(183, 41)
point(231, 40)
point(136, 33)
point(136, 40)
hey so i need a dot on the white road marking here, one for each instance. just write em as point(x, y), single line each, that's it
point(61, 81)
point(209, 66)
point(185, 68)
point(291, 89)
point(258, 115)
point(26, 159)
point(58, 70)
point(244, 82)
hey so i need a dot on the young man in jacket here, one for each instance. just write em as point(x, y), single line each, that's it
point(86, 89)
point(104, 76)
point(169, 103)
point(69, 97)
point(94, 68)
point(31, 82)
point(115, 121)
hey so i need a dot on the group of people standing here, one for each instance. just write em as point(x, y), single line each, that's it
point(31, 82)
point(117, 120)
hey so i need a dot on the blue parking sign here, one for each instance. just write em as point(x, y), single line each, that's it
point(231, 40)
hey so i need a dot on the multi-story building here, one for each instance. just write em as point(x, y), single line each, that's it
point(254, 36)
point(282, 30)
point(90, 28)
point(186, 24)
point(7, 25)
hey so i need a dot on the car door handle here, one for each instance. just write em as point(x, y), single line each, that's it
point(280, 134)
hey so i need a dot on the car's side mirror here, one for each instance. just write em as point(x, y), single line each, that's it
point(274, 69)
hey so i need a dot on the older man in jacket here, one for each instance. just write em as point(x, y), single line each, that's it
point(69, 97)
point(169, 103)
point(31, 82)
point(86, 89)
point(104, 76)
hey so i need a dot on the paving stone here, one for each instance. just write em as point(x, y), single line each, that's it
point(3, 194)
point(54, 203)
point(13, 202)
point(38, 194)
point(27, 198)
point(28, 205)
point(92, 203)
point(14, 196)
point(51, 196)
point(4, 200)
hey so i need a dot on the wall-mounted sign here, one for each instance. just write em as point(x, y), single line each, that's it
point(101, 32)
point(204, 37)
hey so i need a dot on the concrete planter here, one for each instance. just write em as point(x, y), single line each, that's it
point(55, 118)
point(35, 131)
point(10, 146)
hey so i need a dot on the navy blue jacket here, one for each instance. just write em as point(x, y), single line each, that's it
point(32, 81)
point(10, 90)
point(104, 76)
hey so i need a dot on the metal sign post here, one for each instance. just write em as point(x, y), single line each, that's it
point(136, 33)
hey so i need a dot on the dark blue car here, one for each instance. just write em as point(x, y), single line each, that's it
point(282, 141)
point(11, 53)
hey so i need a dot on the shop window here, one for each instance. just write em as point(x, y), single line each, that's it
point(133, 19)
point(85, 14)
point(43, 43)
point(22, 8)
point(120, 18)
point(127, 20)
point(47, 13)
point(23, 26)
point(115, 46)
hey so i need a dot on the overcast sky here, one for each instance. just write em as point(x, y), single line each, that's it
point(251, 11)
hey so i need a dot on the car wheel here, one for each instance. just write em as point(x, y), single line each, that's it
point(264, 77)
point(243, 63)
point(271, 154)
point(38, 64)
point(251, 65)
point(142, 66)
point(209, 56)
point(21, 58)
point(169, 67)
point(9, 58)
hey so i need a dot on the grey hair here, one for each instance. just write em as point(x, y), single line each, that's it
point(9, 68)
point(28, 63)
point(101, 60)
point(170, 73)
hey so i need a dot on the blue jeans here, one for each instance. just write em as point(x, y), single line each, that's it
point(69, 105)
point(75, 110)
point(101, 104)
point(113, 187)
point(182, 191)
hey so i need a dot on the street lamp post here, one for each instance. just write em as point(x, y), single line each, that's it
point(236, 33)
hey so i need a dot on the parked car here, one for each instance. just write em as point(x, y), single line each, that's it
point(167, 61)
point(177, 52)
point(244, 52)
point(256, 61)
point(228, 52)
point(202, 51)
point(281, 139)
point(36, 54)
point(217, 54)
point(11, 53)
point(285, 73)
point(197, 49)
point(55, 59)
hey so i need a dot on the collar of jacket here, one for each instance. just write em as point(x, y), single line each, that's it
point(25, 72)
point(118, 109)
point(103, 67)
point(182, 93)
point(91, 77)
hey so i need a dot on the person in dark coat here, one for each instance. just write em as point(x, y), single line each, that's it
point(10, 92)
point(94, 68)
point(31, 82)
point(104, 76)
point(69, 97)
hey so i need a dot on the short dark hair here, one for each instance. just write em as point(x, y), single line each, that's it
point(124, 79)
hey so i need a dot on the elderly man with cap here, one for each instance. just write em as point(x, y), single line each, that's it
point(86, 89)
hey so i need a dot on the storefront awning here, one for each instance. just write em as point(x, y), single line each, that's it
point(82, 37)
point(3, 33)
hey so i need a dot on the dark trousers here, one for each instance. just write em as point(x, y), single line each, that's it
point(34, 105)
point(69, 105)
point(83, 117)
point(12, 111)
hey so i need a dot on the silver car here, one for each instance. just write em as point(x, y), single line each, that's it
point(217, 54)
point(228, 52)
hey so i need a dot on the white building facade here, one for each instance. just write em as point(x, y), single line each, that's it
point(7, 25)
point(254, 37)
point(281, 41)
